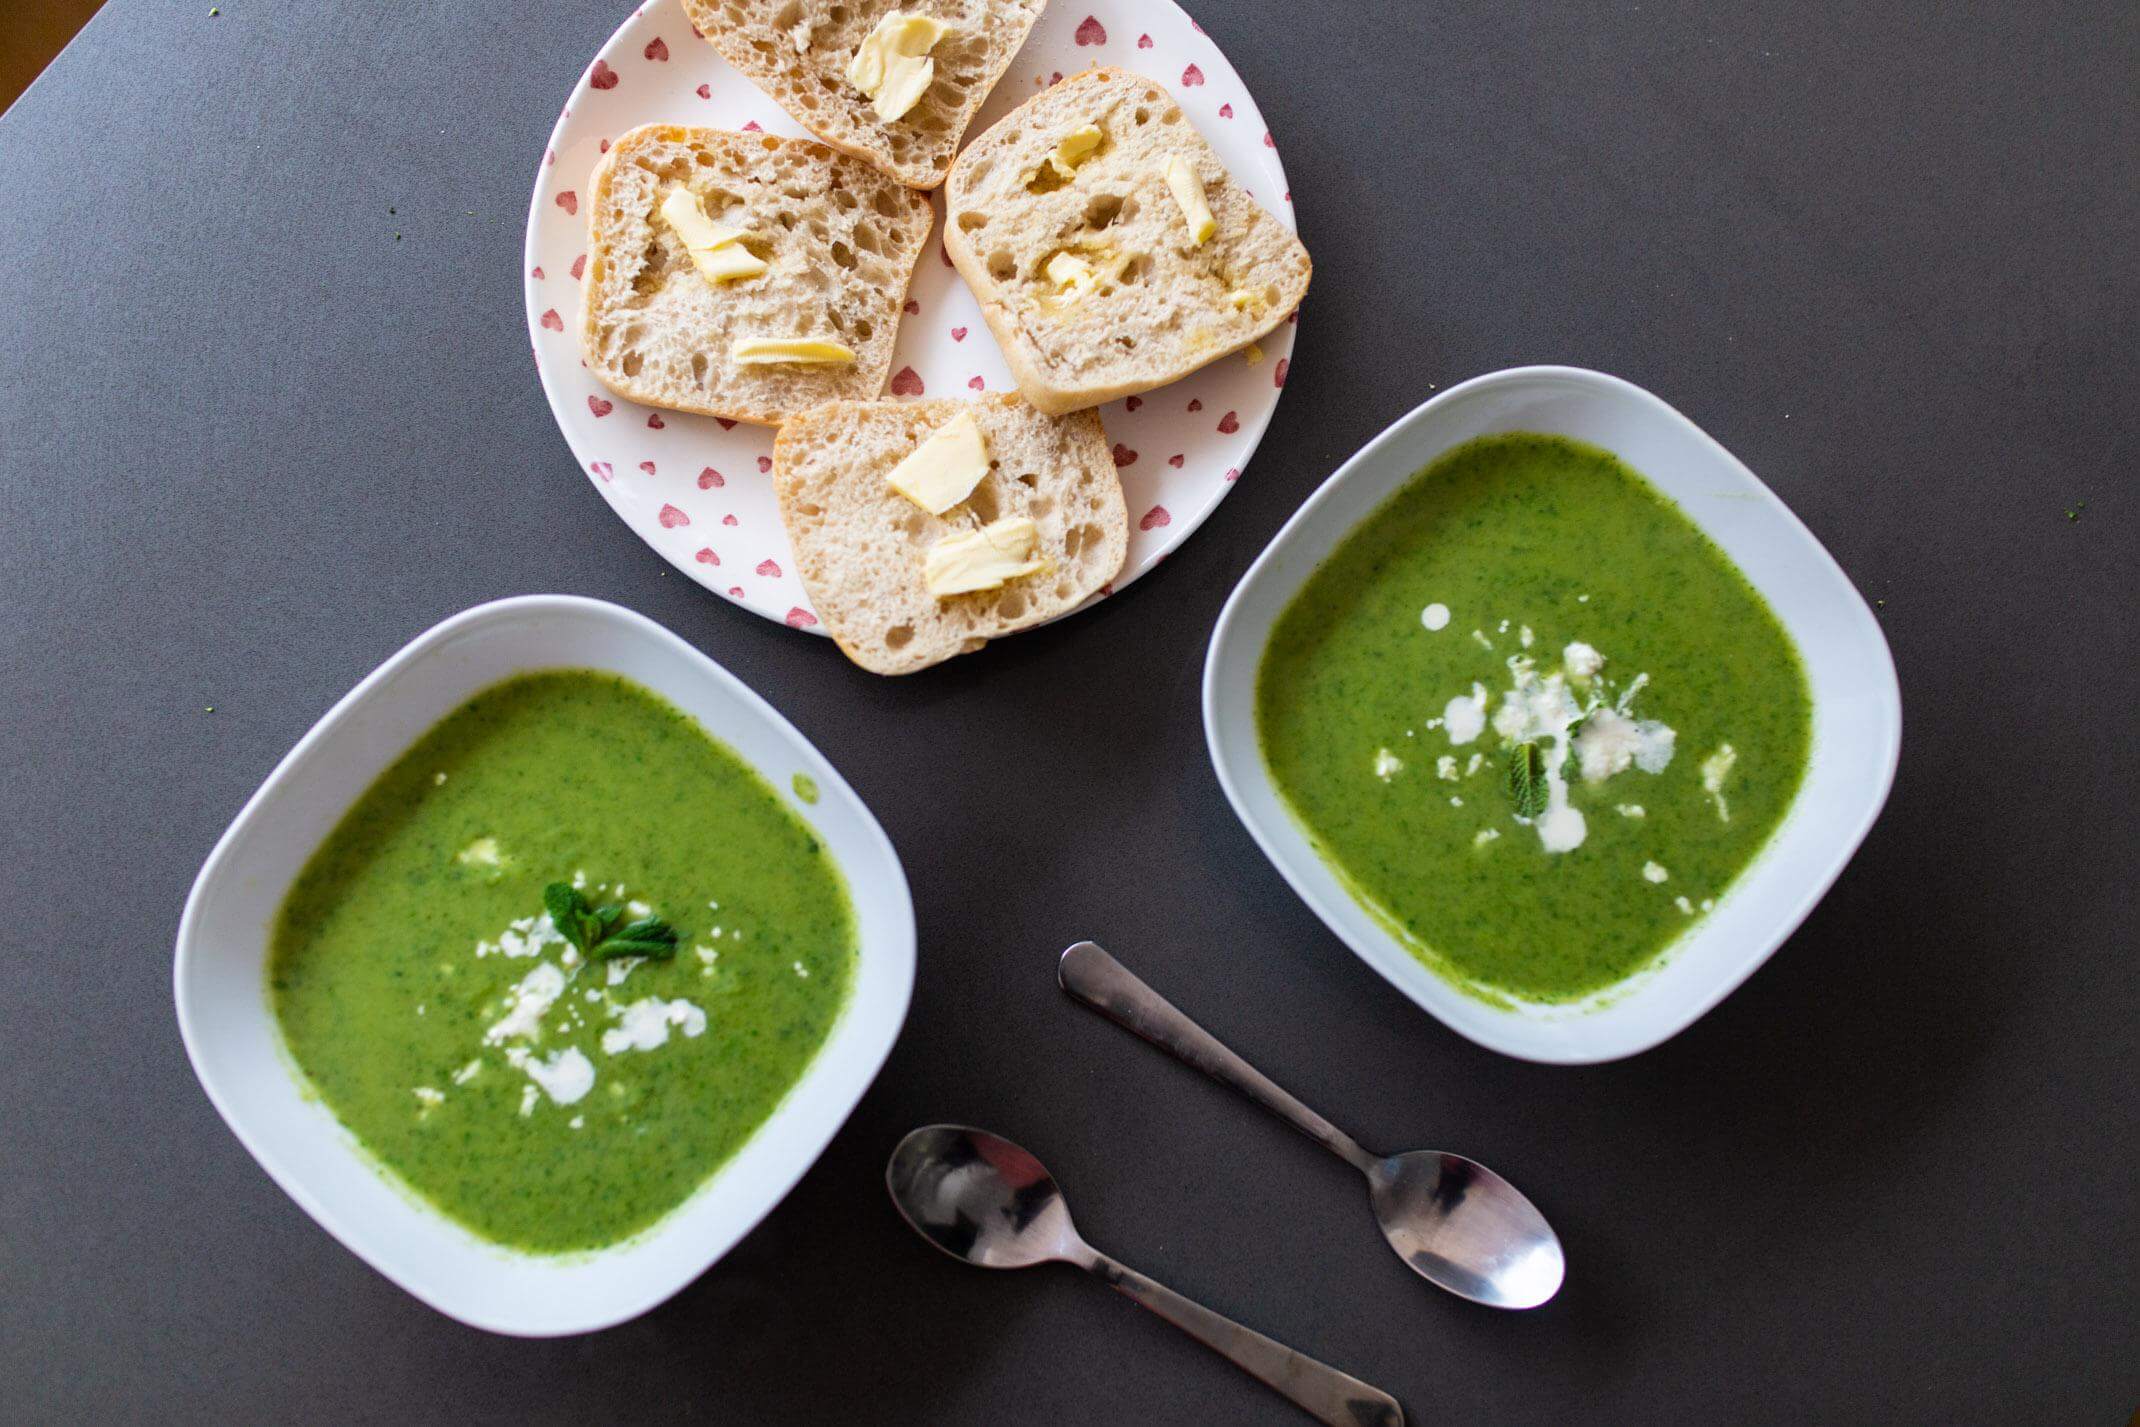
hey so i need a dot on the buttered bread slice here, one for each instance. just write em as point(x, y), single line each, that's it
point(924, 529)
point(1110, 249)
point(893, 82)
point(741, 275)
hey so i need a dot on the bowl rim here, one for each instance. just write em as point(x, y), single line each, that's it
point(1425, 988)
point(878, 1033)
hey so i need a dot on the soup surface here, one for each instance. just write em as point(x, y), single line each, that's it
point(548, 1095)
point(1533, 717)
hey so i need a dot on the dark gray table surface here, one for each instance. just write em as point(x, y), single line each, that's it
point(251, 444)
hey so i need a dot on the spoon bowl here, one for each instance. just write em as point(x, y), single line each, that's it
point(1466, 1229)
point(979, 1198)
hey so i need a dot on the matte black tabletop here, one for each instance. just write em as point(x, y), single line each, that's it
point(250, 444)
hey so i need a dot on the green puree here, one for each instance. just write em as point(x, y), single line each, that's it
point(1562, 538)
point(380, 992)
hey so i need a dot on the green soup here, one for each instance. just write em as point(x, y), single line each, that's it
point(1533, 717)
point(548, 1099)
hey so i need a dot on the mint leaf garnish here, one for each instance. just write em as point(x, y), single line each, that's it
point(1527, 780)
point(596, 930)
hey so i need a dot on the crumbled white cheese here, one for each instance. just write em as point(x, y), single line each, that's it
point(638, 909)
point(1478, 760)
point(1455, 802)
point(577, 1122)
point(1715, 769)
point(528, 1096)
point(524, 937)
point(533, 996)
point(438, 779)
point(1581, 661)
point(802, 971)
point(1525, 636)
point(1684, 905)
point(1610, 742)
point(468, 1072)
point(483, 852)
point(1445, 767)
point(1480, 635)
point(1464, 719)
point(1654, 872)
point(644, 1024)
point(621, 968)
point(1435, 617)
point(1629, 810)
point(1387, 764)
point(565, 1076)
point(1485, 836)
point(429, 1099)
point(1502, 628)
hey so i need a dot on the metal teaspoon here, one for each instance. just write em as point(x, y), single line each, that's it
point(1457, 1223)
point(982, 1199)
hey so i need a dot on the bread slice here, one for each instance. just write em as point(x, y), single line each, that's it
point(798, 52)
point(1165, 305)
point(841, 240)
point(859, 545)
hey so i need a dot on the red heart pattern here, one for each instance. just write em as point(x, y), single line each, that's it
point(1132, 403)
point(1144, 42)
point(706, 556)
point(1124, 456)
point(1225, 111)
point(976, 384)
point(1154, 518)
point(705, 91)
point(570, 202)
point(1191, 77)
point(1176, 460)
point(1233, 473)
point(602, 469)
point(654, 422)
point(725, 423)
point(602, 76)
point(765, 463)
point(798, 617)
point(1195, 404)
point(657, 49)
point(536, 273)
point(551, 322)
point(579, 266)
point(768, 570)
point(728, 520)
point(600, 407)
point(646, 467)
point(912, 309)
point(1278, 372)
point(1228, 424)
point(1091, 32)
point(671, 517)
point(752, 128)
point(906, 382)
point(958, 334)
point(710, 479)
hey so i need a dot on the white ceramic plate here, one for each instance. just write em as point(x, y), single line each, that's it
point(696, 490)
point(237, 1050)
point(1857, 707)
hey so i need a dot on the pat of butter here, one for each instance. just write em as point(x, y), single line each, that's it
point(808, 351)
point(714, 250)
point(892, 66)
point(982, 559)
point(1071, 274)
point(943, 470)
point(1248, 299)
point(1188, 192)
point(1075, 148)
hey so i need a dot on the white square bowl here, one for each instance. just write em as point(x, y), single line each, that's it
point(1857, 707)
point(237, 1048)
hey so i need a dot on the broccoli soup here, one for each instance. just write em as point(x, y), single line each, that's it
point(561, 961)
point(1533, 718)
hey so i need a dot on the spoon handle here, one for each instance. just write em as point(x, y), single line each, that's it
point(1316, 1388)
point(1090, 975)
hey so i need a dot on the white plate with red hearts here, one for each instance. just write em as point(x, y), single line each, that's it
point(697, 488)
